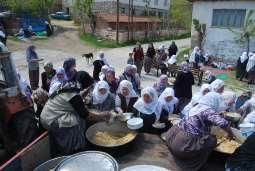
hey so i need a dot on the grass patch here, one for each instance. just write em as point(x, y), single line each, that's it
point(100, 42)
point(180, 55)
point(234, 84)
point(105, 43)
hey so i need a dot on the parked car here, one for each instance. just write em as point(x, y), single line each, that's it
point(61, 16)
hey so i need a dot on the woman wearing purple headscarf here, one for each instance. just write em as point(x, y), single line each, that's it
point(69, 67)
point(111, 80)
point(161, 85)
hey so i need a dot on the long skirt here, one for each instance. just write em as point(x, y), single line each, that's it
point(139, 65)
point(148, 64)
point(66, 141)
point(190, 152)
point(34, 78)
point(251, 76)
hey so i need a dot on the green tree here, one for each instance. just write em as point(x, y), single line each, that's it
point(35, 7)
point(84, 13)
point(180, 14)
point(247, 31)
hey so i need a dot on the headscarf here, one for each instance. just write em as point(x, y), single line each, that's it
point(101, 57)
point(129, 86)
point(56, 81)
point(48, 64)
point(24, 86)
point(31, 53)
point(172, 60)
point(162, 84)
point(147, 108)
point(211, 100)
point(98, 98)
point(204, 87)
point(161, 48)
point(163, 104)
point(195, 100)
point(40, 96)
point(102, 74)
point(251, 63)
point(128, 69)
point(193, 54)
point(217, 84)
point(185, 67)
point(68, 64)
point(243, 57)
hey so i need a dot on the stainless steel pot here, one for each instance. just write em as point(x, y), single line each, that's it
point(89, 161)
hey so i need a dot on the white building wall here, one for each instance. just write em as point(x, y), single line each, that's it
point(221, 41)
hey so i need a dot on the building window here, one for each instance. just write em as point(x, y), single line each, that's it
point(228, 18)
point(166, 2)
point(122, 10)
point(155, 2)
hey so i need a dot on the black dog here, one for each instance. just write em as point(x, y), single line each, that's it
point(88, 56)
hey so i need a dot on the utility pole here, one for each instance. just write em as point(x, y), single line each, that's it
point(129, 12)
point(118, 20)
point(132, 19)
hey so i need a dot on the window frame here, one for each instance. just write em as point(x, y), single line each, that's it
point(216, 13)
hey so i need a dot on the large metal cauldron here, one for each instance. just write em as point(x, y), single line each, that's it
point(117, 149)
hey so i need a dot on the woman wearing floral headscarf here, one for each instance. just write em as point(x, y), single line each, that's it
point(190, 142)
point(130, 76)
point(161, 85)
point(112, 81)
point(183, 85)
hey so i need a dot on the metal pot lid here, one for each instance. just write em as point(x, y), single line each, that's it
point(89, 161)
point(144, 168)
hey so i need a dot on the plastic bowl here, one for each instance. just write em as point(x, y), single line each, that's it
point(135, 123)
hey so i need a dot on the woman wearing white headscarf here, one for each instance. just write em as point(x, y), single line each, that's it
point(194, 57)
point(205, 88)
point(190, 142)
point(218, 86)
point(172, 62)
point(167, 103)
point(58, 80)
point(248, 110)
point(146, 107)
point(125, 98)
point(241, 66)
point(102, 99)
point(103, 72)
point(250, 68)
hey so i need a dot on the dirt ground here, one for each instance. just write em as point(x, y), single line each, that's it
point(66, 43)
